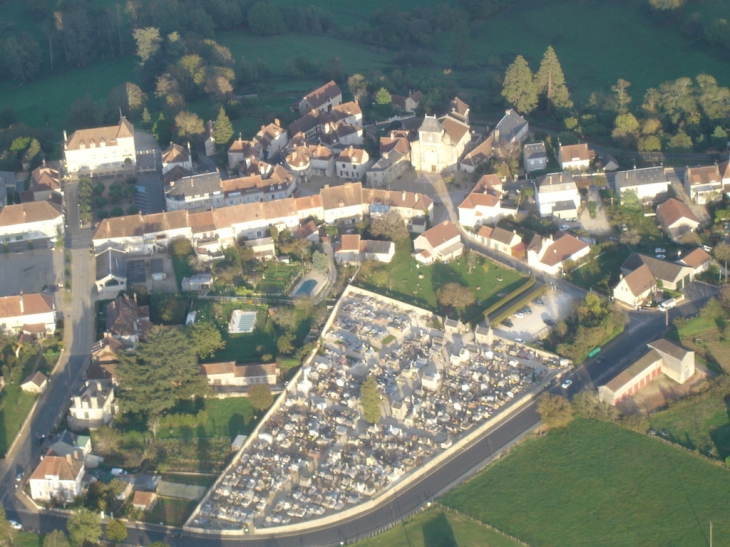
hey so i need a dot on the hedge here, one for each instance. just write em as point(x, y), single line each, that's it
point(520, 303)
point(502, 301)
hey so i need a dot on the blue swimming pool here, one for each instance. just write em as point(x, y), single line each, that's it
point(306, 288)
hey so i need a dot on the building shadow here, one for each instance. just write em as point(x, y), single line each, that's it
point(437, 532)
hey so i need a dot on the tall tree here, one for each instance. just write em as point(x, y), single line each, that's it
point(84, 526)
point(370, 400)
point(56, 539)
point(189, 125)
point(265, 19)
point(358, 86)
point(148, 42)
point(622, 97)
point(455, 295)
point(223, 130)
point(383, 97)
point(260, 397)
point(22, 56)
point(519, 86)
point(6, 531)
point(127, 97)
point(162, 370)
point(555, 410)
point(206, 338)
point(550, 80)
point(116, 531)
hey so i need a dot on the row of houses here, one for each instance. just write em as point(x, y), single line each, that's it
point(211, 231)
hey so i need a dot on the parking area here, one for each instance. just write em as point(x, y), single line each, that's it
point(556, 306)
point(30, 271)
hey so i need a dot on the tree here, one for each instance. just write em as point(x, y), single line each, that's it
point(630, 200)
point(285, 344)
point(265, 19)
point(460, 43)
point(390, 226)
point(555, 410)
point(588, 405)
point(189, 124)
point(260, 397)
point(7, 534)
point(206, 338)
point(719, 138)
point(622, 97)
point(690, 238)
point(116, 531)
point(223, 130)
point(148, 42)
point(550, 80)
point(162, 370)
point(286, 318)
point(127, 97)
point(22, 56)
point(84, 526)
point(519, 87)
point(358, 86)
point(455, 295)
point(320, 262)
point(664, 5)
point(626, 129)
point(383, 97)
point(722, 252)
point(370, 400)
point(680, 142)
point(56, 539)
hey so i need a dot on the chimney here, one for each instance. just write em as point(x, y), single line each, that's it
point(95, 400)
point(403, 195)
point(68, 458)
point(44, 162)
point(277, 122)
point(22, 307)
point(77, 402)
point(65, 137)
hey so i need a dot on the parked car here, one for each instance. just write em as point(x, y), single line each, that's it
point(661, 257)
point(549, 322)
point(519, 315)
point(539, 302)
point(519, 340)
point(659, 250)
point(15, 525)
point(507, 323)
point(564, 227)
point(567, 383)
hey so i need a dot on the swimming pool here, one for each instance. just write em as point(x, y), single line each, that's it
point(306, 288)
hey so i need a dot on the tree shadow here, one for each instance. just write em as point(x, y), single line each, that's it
point(437, 532)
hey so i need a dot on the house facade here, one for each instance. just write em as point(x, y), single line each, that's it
point(636, 287)
point(534, 157)
point(439, 144)
point(574, 157)
point(352, 163)
point(550, 255)
point(440, 243)
point(93, 406)
point(703, 184)
point(557, 195)
point(57, 478)
point(646, 183)
point(511, 129)
point(176, 155)
point(501, 240)
point(30, 221)
point(195, 193)
point(484, 204)
point(34, 313)
point(322, 99)
point(101, 149)
point(676, 218)
point(231, 374)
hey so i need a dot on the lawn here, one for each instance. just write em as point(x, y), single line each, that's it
point(226, 418)
point(700, 422)
point(196, 480)
point(172, 512)
point(602, 271)
point(417, 284)
point(435, 528)
point(594, 483)
point(277, 277)
point(702, 335)
point(14, 408)
point(593, 56)
point(27, 539)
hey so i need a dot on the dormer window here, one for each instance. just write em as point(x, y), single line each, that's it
point(92, 144)
point(82, 145)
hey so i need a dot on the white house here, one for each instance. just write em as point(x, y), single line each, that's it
point(94, 405)
point(272, 139)
point(442, 242)
point(478, 155)
point(176, 155)
point(550, 256)
point(45, 181)
point(574, 157)
point(57, 478)
point(352, 163)
point(676, 218)
point(534, 157)
point(33, 313)
point(31, 220)
point(557, 195)
point(241, 150)
point(636, 287)
point(322, 98)
point(703, 184)
point(484, 205)
point(101, 149)
point(352, 249)
point(196, 192)
point(502, 241)
point(111, 272)
point(231, 374)
point(35, 383)
point(646, 183)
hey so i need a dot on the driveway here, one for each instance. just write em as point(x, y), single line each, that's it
point(558, 305)
point(598, 226)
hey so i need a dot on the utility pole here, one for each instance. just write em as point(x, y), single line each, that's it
point(710, 533)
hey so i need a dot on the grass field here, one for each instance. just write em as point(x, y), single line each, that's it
point(196, 480)
point(226, 418)
point(172, 512)
point(435, 528)
point(27, 539)
point(698, 423)
point(593, 55)
point(15, 406)
point(594, 483)
point(405, 282)
point(702, 335)
point(601, 272)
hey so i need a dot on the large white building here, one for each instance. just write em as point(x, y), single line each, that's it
point(557, 195)
point(29, 221)
point(101, 149)
point(93, 406)
point(57, 478)
point(31, 313)
point(646, 183)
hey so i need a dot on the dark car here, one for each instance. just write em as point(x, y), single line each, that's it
point(507, 323)
point(549, 322)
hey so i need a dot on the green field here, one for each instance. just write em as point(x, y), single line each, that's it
point(700, 422)
point(435, 528)
point(602, 271)
point(14, 408)
point(172, 512)
point(597, 43)
point(594, 483)
point(703, 335)
point(226, 418)
point(27, 539)
point(404, 282)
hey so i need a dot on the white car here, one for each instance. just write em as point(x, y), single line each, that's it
point(661, 257)
point(567, 383)
point(564, 228)
point(519, 340)
point(659, 250)
point(15, 525)
point(519, 315)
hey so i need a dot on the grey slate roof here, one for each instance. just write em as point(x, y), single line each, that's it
point(196, 185)
point(430, 125)
point(535, 151)
point(379, 247)
point(111, 262)
point(638, 177)
point(660, 269)
point(566, 205)
point(555, 182)
point(511, 124)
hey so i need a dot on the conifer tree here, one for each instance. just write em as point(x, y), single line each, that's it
point(519, 87)
point(550, 80)
point(223, 129)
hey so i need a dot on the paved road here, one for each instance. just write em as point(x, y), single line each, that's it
point(78, 337)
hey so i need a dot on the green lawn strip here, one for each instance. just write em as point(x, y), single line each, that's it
point(499, 303)
point(388, 339)
point(14, 409)
point(173, 512)
point(226, 418)
point(519, 304)
point(182, 268)
point(197, 480)
point(698, 423)
point(594, 483)
point(437, 528)
point(27, 539)
point(406, 284)
point(602, 271)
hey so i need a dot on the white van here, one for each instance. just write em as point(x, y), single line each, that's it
point(667, 304)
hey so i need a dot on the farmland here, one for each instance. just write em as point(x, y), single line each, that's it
point(595, 483)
